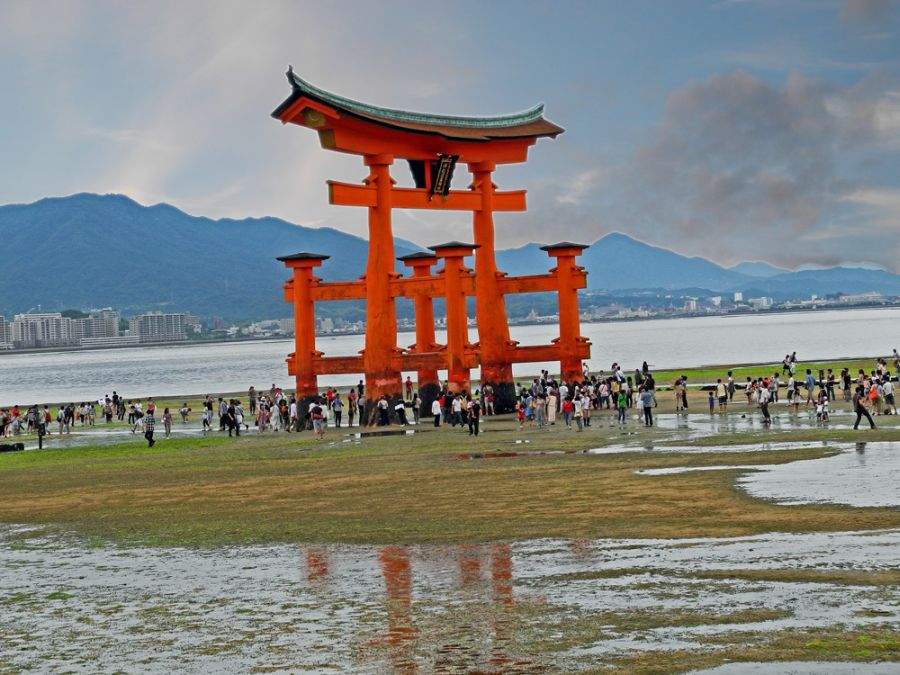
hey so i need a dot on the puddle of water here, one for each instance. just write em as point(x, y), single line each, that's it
point(519, 453)
point(866, 474)
point(340, 608)
point(691, 469)
point(385, 432)
point(758, 447)
point(861, 475)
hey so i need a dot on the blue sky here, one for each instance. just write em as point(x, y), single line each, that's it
point(732, 129)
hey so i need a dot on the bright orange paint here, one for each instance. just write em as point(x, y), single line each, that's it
point(382, 361)
point(424, 307)
point(454, 271)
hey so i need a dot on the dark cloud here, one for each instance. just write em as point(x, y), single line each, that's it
point(742, 169)
point(868, 12)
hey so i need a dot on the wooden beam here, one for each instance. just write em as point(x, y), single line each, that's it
point(338, 365)
point(538, 283)
point(433, 286)
point(552, 352)
point(348, 194)
point(338, 290)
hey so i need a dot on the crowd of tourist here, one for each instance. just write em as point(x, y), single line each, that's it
point(544, 402)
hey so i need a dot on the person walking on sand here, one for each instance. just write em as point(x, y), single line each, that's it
point(318, 419)
point(810, 386)
point(383, 411)
point(722, 395)
point(577, 412)
point(474, 412)
point(888, 391)
point(415, 404)
point(167, 421)
point(646, 398)
point(337, 407)
point(351, 406)
point(764, 398)
point(676, 388)
point(859, 406)
point(436, 411)
point(149, 422)
point(261, 415)
point(251, 396)
point(621, 405)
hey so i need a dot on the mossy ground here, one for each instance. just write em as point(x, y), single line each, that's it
point(413, 488)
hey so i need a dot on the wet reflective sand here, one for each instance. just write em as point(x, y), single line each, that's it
point(861, 475)
point(520, 607)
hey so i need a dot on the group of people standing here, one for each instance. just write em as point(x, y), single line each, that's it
point(547, 399)
point(869, 393)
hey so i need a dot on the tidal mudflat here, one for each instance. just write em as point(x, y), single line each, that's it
point(702, 541)
point(527, 606)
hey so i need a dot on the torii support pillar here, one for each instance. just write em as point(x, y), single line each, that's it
point(490, 306)
point(382, 378)
point(429, 385)
point(458, 375)
point(570, 338)
point(302, 265)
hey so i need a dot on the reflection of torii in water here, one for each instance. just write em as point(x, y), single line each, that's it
point(316, 564)
point(502, 590)
point(396, 568)
point(397, 572)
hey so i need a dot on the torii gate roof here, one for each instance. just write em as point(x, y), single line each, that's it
point(526, 124)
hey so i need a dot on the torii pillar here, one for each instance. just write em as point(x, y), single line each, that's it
point(382, 378)
point(453, 253)
point(428, 384)
point(570, 339)
point(490, 306)
point(302, 361)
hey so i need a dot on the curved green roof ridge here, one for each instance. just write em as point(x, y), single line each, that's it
point(492, 122)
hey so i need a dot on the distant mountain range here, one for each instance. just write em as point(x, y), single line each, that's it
point(91, 250)
point(617, 262)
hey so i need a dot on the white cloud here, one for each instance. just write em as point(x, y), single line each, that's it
point(580, 187)
point(885, 201)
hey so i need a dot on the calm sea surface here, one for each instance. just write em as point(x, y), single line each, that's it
point(664, 343)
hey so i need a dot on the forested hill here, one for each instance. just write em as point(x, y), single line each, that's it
point(107, 250)
point(91, 250)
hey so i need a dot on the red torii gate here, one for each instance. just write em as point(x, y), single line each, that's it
point(432, 145)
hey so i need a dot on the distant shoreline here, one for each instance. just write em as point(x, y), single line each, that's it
point(202, 343)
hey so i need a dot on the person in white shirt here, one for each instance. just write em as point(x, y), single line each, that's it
point(888, 391)
point(457, 412)
point(295, 417)
point(436, 411)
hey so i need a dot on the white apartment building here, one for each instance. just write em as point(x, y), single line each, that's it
point(158, 327)
point(5, 333)
point(42, 330)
